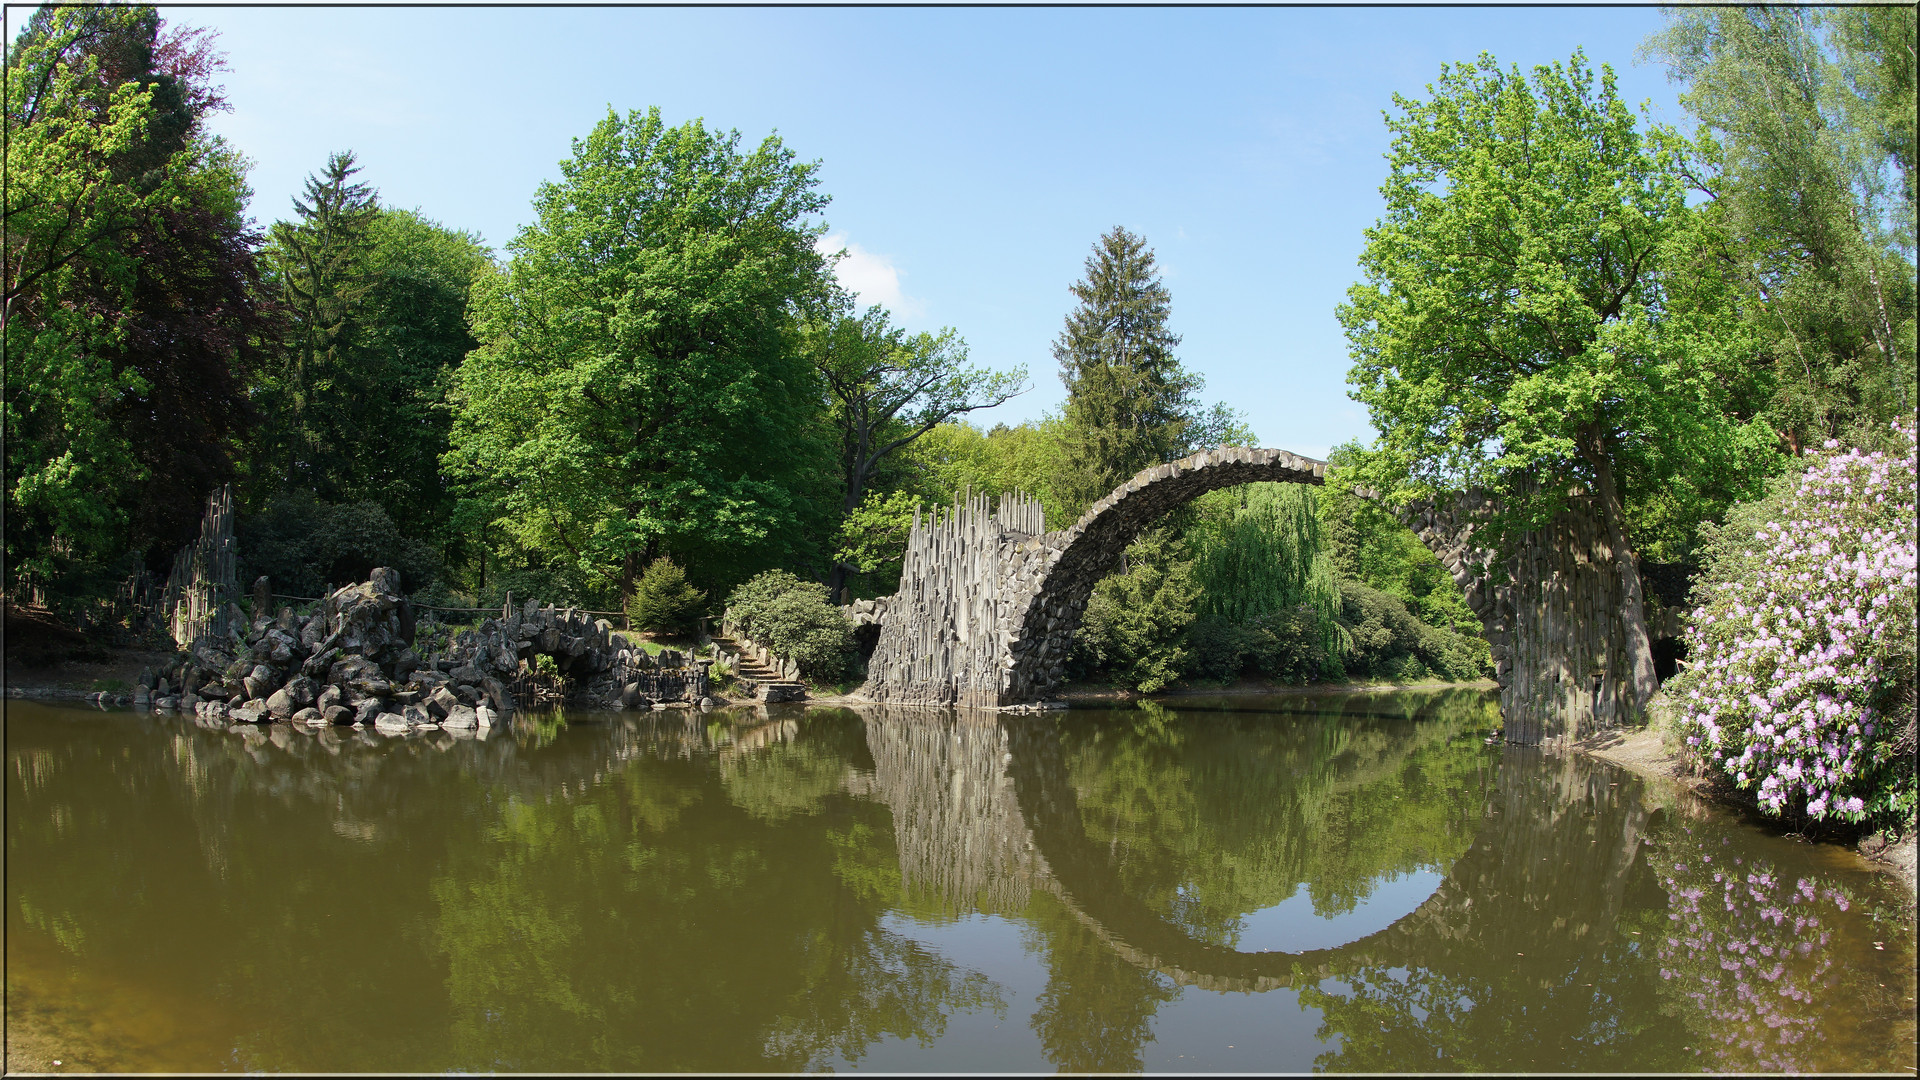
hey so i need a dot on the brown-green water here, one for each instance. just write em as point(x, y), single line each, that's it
point(1350, 883)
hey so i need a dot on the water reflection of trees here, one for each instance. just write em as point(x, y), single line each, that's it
point(1520, 963)
point(642, 893)
point(677, 891)
point(1214, 816)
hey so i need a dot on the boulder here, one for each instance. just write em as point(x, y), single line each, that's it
point(384, 579)
point(468, 695)
point(461, 718)
point(279, 646)
point(337, 714)
point(281, 704)
point(418, 716)
point(329, 696)
point(392, 723)
point(252, 712)
point(308, 715)
point(366, 711)
point(320, 664)
point(497, 696)
point(466, 673)
point(484, 717)
point(303, 689)
point(441, 701)
point(259, 682)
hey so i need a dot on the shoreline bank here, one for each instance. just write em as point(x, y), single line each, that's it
point(1642, 752)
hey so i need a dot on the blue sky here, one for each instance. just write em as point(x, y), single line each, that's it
point(973, 155)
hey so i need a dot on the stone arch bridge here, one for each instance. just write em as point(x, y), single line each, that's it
point(989, 600)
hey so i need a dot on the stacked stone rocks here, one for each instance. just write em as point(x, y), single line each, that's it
point(355, 663)
point(988, 602)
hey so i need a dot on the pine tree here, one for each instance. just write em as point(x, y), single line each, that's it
point(318, 265)
point(663, 600)
point(1129, 402)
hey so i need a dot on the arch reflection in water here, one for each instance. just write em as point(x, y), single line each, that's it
point(799, 889)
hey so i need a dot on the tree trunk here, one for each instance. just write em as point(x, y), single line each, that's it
point(1643, 682)
point(629, 581)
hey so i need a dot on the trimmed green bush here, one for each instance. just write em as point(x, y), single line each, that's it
point(793, 619)
point(662, 599)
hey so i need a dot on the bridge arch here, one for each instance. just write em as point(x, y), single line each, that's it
point(988, 602)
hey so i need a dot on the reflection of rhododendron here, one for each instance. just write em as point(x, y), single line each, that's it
point(1747, 951)
point(1801, 657)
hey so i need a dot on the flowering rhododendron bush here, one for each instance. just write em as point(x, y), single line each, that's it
point(1801, 659)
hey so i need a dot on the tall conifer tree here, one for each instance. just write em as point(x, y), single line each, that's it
point(318, 264)
point(1129, 402)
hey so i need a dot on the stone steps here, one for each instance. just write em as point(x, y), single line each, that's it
point(761, 682)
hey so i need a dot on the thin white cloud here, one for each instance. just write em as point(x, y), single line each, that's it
point(871, 275)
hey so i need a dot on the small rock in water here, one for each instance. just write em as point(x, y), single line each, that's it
point(391, 723)
point(707, 703)
point(308, 715)
point(483, 716)
point(462, 717)
point(337, 714)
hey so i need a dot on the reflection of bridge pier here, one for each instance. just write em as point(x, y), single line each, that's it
point(955, 818)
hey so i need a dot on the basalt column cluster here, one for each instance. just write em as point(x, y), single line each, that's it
point(944, 637)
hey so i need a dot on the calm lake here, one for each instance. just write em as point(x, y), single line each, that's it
point(1351, 882)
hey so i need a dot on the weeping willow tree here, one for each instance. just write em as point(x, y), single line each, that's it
point(1259, 560)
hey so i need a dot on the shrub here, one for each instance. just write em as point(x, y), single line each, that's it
point(662, 600)
point(1801, 678)
point(1136, 623)
point(1383, 634)
point(792, 618)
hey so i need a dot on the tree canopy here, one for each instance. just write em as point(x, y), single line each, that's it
point(638, 390)
point(1530, 307)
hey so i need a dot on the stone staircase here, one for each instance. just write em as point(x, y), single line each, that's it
point(756, 679)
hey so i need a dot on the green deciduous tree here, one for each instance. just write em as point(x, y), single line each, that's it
point(126, 300)
point(639, 390)
point(1530, 307)
point(888, 388)
point(1806, 151)
point(953, 459)
point(873, 539)
point(412, 336)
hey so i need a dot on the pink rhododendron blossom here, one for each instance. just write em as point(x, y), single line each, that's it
point(1802, 636)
